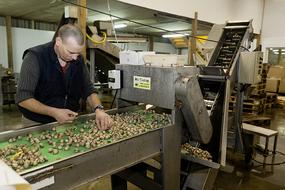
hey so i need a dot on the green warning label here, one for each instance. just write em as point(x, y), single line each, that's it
point(142, 82)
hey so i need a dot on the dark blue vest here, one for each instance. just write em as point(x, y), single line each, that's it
point(54, 88)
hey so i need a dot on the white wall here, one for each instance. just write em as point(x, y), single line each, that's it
point(22, 39)
point(3, 47)
point(164, 48)
point(217, 11)
point(273, 30)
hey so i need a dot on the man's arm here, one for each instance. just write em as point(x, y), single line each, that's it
point(103, 120)
point(61, 115)
point(29, 77)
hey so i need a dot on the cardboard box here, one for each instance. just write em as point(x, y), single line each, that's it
point(282, 86)
point(163, 60)
point(133, 58)
point(128, 57)
point(276, 72)
point(272, 84)
point(142, 54)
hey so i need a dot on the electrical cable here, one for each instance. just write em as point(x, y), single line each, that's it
point(280, 152)
point(154, 27)
point(245, 48)
point(114, 99)
point(98, 42)
point(271, 164)
point(112, 22)
point(135, 22)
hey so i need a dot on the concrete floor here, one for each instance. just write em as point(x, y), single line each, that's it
point(229, 178)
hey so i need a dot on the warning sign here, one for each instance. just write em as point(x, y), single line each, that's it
point(142, 82)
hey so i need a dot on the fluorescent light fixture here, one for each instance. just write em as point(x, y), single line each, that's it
point(122, 39)
point(120, 26)
point(173, 35)
point(277, 50)
point(93, 18)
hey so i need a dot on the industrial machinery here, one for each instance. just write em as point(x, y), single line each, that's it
point(7, 86)
point(199, 98)
point(196, 98)
point(66, 169)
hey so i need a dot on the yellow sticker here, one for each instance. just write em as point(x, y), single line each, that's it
point(142, 82)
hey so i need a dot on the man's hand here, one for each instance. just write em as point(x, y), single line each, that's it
point(103, 120)
point(64, 115)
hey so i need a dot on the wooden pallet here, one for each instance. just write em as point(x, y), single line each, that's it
point(260, 85)
point(257, 120)
point(257, 92)
point(271, 98)
point(251, 110)
point(249, 100)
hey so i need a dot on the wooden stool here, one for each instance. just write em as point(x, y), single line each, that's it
point(267, 133)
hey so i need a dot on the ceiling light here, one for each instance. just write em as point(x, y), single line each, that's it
point(277, 50)
point(173, 35)
point(93, 18)
point(120, 26)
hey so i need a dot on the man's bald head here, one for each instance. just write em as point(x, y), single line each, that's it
point(69, 30)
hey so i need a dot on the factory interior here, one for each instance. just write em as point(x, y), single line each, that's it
point(190, 98)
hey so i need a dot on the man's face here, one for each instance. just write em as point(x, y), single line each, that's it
point(68, 49)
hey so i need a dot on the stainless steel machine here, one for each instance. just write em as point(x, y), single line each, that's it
point(72, 171)
point(197, 99)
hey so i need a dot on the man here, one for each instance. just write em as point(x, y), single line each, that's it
point(54, 77)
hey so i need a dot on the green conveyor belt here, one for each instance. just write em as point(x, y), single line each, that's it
point(44, 151)
point(76, 127)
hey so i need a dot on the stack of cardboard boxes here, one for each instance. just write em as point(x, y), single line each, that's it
point(276, 79)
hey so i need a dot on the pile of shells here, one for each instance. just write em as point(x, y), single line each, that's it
point(127, 125)
point(196, 152)
point(79, 137)
point(21, 157)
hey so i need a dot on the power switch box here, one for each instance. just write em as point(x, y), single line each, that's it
point(114, 79)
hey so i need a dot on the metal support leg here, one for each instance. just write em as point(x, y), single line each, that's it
point(248, 150)
point(118, 183)
point(265, 153)
point(171, 155)
point(275, 144)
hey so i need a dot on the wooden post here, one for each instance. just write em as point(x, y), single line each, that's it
point(258, 40)
point(192, 41)
point(8, 21)
point(279, 60)
point(150, 46)
point(82, 21)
